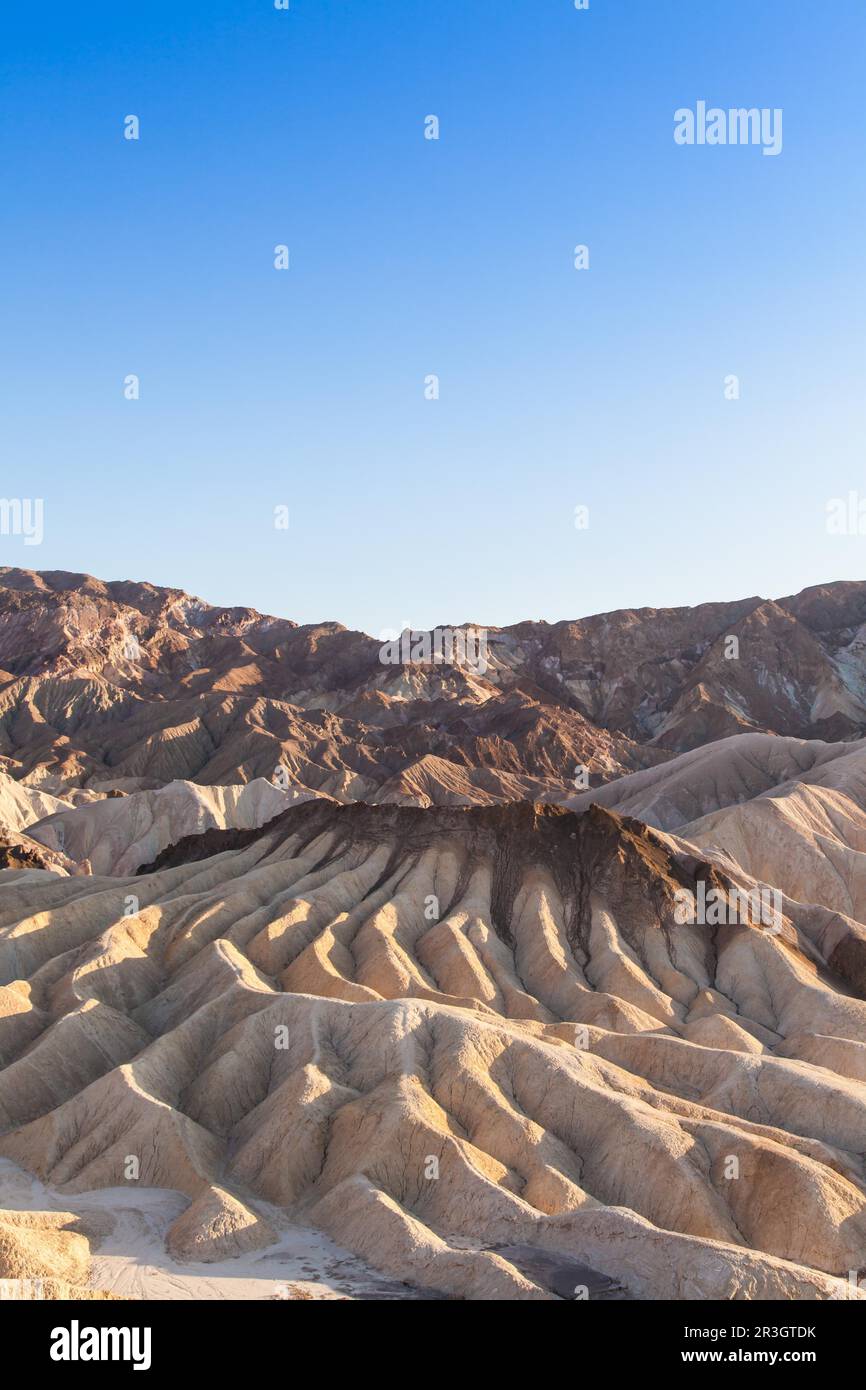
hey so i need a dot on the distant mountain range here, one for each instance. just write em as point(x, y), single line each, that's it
point(127, 685)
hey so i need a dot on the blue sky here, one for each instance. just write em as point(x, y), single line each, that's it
point(558, 388)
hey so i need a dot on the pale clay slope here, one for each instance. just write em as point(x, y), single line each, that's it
point(787, 812)
point(22, 806)
point(728, 772)
point(809, 841)
point(119, 834)
point(288, 1023)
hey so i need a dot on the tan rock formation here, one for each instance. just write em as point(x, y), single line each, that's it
point(442, 1035)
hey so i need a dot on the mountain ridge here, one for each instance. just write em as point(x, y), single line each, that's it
point(130, 685)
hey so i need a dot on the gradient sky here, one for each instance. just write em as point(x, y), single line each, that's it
point(559, 388)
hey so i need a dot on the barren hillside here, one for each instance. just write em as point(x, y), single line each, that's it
point(420, 996)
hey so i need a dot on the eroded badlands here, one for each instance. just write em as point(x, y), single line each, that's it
point(441, 1037)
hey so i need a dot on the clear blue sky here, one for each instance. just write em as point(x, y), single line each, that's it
point(559, 388)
